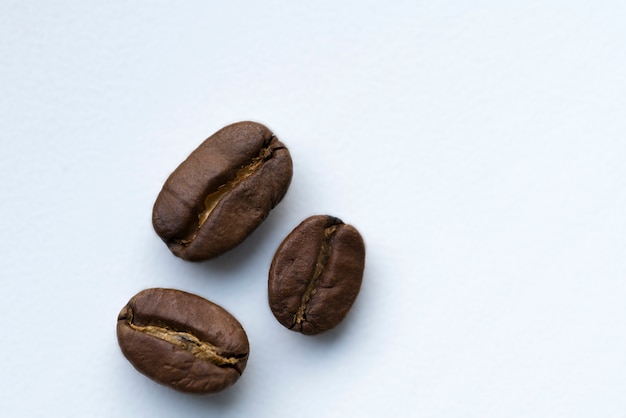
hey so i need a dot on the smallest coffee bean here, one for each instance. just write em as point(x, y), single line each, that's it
point(316, 275)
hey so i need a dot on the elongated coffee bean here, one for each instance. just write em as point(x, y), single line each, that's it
point(316, 275)
point(222, 191)
point(182, 340)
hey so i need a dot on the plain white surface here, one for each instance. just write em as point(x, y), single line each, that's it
point(480, 149)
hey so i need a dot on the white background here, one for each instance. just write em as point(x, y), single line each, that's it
point(480, 148)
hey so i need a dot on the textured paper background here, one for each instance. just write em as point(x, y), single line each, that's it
point(479, 147)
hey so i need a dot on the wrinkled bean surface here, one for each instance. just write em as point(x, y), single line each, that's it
point(182, 340)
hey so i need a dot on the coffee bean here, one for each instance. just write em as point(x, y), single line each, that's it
point(182, 340)
point(316, 275)
point(222, 191)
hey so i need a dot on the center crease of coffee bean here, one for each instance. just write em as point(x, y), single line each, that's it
point(186, 341)
point(212, 199)
point(320, 263)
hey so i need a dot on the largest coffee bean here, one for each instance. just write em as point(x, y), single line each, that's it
point(316, 274)
point(182, 340)
point(222, 191)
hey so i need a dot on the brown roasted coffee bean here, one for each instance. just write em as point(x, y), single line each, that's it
point(222, 191)
point(316, 275)
point(182, 340)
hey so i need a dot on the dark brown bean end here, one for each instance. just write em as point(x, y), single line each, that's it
point(222, 192)
point(316, 275)
point(182, 340)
